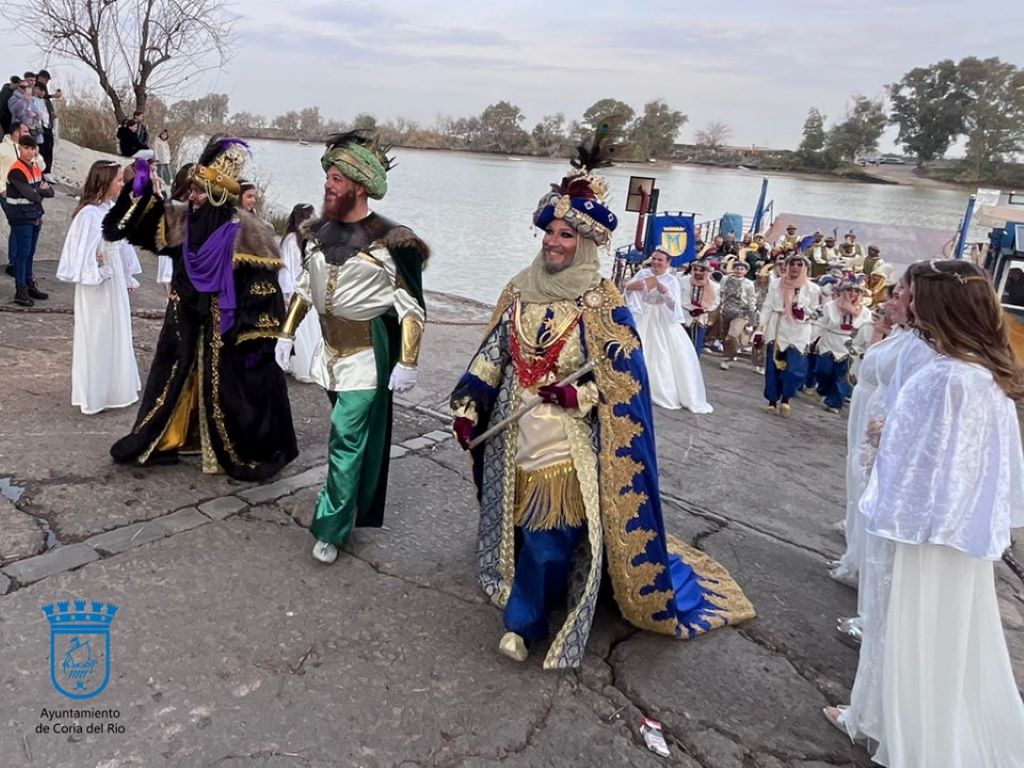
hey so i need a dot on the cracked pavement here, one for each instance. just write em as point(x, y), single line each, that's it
point(233, 648)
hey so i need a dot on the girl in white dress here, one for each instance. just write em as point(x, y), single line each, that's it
point(104, 373)
point(886, 366)
point(308, 335)
point(934, 686)
point(673, 370)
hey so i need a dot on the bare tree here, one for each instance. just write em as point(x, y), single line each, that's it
point(135, 47)
point(714, 135)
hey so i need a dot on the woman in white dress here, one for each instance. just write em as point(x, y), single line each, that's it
point(308, 335)
point(673, 370)
point(886, 365)
point(934, 686)
point(104, 373)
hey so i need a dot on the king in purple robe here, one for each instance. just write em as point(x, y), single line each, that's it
point(213, 387)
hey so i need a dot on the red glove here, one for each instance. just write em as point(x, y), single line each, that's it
point(798, 313)
point(463, 430)
point(563, 396)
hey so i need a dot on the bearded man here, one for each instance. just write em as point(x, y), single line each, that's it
point(362, 275)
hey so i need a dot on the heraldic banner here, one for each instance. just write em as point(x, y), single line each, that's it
point(674, 233)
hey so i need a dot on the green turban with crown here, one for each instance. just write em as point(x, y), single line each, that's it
point(360, 158)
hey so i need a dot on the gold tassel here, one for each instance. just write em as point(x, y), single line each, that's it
point(549, 498)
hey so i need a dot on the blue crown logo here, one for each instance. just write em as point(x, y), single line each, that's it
point(80, 646)
point(80, 612)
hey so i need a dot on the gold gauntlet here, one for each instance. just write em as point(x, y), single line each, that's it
point(412, 335)
point(296, 312)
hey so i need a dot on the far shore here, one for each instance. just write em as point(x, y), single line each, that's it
point(866, 175)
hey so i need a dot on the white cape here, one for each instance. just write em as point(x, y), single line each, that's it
point(885, 367)
point(308, 334)
point(934, 684)
point(673, 369)
point(950, 469)
point(104, 372)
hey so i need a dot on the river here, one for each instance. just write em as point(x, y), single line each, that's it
point(474, 210)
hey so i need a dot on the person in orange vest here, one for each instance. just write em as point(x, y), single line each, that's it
point(23, 207)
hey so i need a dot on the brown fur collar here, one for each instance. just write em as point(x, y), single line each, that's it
point(254, 237)
point(397, 237)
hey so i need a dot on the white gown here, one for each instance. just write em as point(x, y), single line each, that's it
point(934, 685)
point(673, 370)
point(876, 390)
point(308, 334)
point(104, 373)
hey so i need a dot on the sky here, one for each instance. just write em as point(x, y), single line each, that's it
point(757, 66)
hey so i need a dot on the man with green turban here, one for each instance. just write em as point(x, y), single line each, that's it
point(362, 274)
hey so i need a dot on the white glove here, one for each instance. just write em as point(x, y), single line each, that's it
point(283, 353)
point(403, 378)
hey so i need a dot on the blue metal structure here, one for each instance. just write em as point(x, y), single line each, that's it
point(755, 225)
point(965, 228)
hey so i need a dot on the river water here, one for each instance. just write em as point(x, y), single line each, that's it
point(475, 210)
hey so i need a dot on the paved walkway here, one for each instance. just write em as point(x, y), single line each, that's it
point(233, 648)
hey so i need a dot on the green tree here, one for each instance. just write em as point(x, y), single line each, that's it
point(994, 121)
point(288, 123)
point(654, 132)
point(928, 106)
point(859, 132)
point(619, 112)
point(549, 135)
point(364, 121)
point(311, 124)
point(501, 129)
point(814, 134)
point(247, 123)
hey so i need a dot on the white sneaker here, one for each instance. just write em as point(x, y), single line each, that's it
point(717, 345)
point(724, 366)
point(48, 178)
point(758, 370)
point(325, 552)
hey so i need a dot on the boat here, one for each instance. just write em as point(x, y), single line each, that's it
point(1003, 258)
point(302, 143)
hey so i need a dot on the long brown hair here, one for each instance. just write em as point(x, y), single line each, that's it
point(958, 311)
point(299, 215)
point(97, 183)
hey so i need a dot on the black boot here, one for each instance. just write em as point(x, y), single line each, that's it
point(35, 293)
point(9, 269)
point(21, 297)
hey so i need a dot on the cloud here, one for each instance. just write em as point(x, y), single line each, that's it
point(758, 67)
